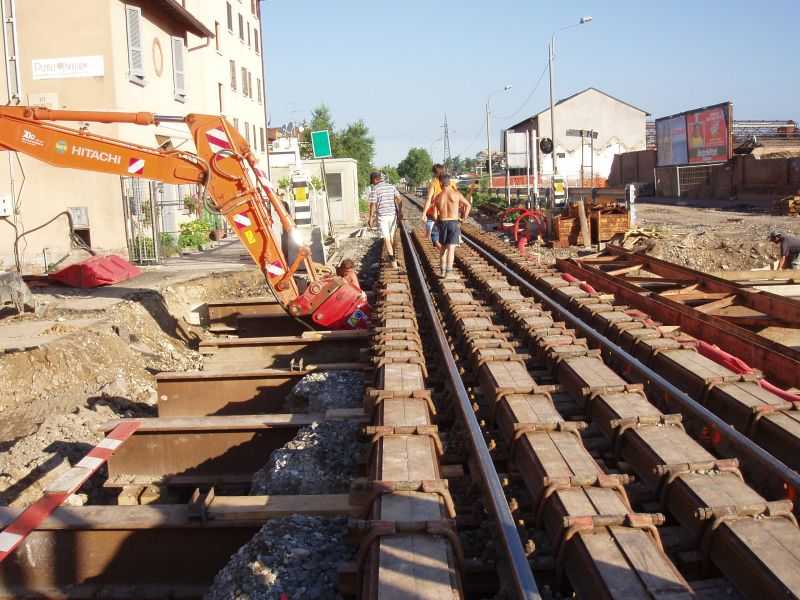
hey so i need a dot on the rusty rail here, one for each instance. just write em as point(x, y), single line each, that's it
point(773, 475)
point(686, 479)
point(524, 583)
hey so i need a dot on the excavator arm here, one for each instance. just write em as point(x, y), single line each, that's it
point(226, 168)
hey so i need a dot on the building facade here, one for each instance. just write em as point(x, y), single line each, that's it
point(611, 126)
point(162, 56)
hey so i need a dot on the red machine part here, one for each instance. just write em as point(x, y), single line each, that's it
point(532, 216)
point(333, 304)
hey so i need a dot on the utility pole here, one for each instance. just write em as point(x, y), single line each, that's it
point(550, 50)
point(446, 141)
point(489, 129)
point(489, 143)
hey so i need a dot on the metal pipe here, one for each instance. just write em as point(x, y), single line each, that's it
point(743, 445)
point(524, 582)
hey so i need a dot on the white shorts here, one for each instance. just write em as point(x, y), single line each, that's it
point(387, 224)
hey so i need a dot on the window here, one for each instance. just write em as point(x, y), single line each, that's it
point(133, 23)
point(217, 38)
point(178, 69)
point(248, 34)
point(219, 98)
point(333, 184)
point(233, 75)
point(255, 41)
point(250, 84)
point(244, 81)
point(241, 27)
point(261, 132)
point(230, 17)
point(254, 7)
point(236, 123)
point(247, 131)
point(258, 90)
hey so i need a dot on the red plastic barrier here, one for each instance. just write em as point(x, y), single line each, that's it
point(719, 356)
point(96, 271)
point(737, 365)
point(583, 285)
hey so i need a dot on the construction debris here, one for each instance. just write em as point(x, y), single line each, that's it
point(790, 205)
point(14, 292)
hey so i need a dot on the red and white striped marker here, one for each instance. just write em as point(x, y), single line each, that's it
point(275, 269)
point(136, 166)
point(242, 220)
point(62, 488)
point(217, 140)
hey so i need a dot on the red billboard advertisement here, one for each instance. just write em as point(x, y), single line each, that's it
point(707, 133)
point(694, 137)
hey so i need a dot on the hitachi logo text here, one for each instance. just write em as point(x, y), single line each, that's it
point(93, 154)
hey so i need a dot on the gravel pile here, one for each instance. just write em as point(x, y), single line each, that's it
point(323, 457)
point(296, 556)
point(318, 392)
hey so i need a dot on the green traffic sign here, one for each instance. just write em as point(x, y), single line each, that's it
point(321, 144)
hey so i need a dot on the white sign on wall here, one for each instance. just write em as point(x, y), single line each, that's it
point(68, 67)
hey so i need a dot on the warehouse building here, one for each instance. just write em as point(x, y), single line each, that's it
point(609, 126)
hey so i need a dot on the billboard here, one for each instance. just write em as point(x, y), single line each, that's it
point(695, 137)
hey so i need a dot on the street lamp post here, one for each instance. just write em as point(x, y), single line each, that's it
point(489, 129)
point(551, 49)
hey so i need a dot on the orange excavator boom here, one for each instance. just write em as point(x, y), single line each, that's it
point(224, 165)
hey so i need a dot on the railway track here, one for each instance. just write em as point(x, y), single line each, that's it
point(713, 503)
point(526, 437)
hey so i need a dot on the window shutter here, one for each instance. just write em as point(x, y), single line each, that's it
point(178, 70)
point(233, 75)
point(249, 84)
point(230, 16)
point(258, 90)
point(244, 81)
point(133, 19)
point(255, 41)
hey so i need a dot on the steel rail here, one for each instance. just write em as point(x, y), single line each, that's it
point(737, 441)
point(522, 574)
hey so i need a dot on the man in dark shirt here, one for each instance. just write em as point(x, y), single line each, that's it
point(790, 249)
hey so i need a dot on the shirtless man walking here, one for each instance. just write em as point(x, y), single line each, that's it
point(451, 207)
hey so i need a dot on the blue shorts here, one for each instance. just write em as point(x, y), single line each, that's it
point(433, 230)
point(449, 232)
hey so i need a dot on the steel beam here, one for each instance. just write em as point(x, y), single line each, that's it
point(781, 364)
point(201, 450)
point(126, 552)
point(286, 351)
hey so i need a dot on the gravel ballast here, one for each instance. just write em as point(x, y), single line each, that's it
point(297, 556)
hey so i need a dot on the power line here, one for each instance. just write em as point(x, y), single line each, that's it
point(528, 99)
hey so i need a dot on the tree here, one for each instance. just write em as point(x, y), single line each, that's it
point(454, 165)
point(355, 142)
point(391, 174)
point(416, 166)
point(320, 119)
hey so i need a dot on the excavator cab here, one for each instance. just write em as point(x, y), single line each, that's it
point(227, 170)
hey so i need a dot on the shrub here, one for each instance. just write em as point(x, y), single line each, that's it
point(193, 234)
point(168, 244)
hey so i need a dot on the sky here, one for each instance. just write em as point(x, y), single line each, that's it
point(402, 65)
